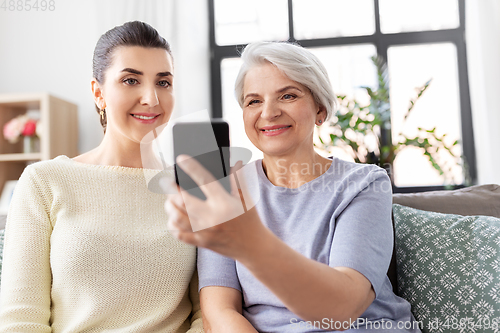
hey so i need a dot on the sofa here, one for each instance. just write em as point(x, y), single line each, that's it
point(446, 258)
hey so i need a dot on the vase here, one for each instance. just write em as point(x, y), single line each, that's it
point(30, 144)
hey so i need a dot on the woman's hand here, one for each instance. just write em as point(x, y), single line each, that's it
point(221, 223)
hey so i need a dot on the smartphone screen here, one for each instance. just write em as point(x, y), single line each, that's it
point(208, 143)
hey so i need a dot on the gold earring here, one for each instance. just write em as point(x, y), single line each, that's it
point(102, 113)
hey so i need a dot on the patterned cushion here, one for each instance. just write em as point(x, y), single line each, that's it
point(448, 269)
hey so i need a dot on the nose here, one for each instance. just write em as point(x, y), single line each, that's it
point(149, 96)
point(270, 110)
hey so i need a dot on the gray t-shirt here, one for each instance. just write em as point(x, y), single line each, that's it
point(342, 218)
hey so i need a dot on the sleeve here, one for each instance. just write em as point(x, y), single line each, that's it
point(217, 270)
point(363, 237)
point(26, 275)
point(196, 318)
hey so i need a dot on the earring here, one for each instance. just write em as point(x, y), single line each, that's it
point(102, 113)
point(320, 121)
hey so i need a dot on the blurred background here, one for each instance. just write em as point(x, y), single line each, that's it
point(456, 43)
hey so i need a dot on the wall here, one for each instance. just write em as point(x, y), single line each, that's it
point(52, 51)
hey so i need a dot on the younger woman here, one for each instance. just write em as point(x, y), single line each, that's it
point(86, 246)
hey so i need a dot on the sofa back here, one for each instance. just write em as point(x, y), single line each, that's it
point(474, 200)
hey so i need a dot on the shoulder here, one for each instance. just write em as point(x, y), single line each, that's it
point(43, 173)
point(49, 167)
point(352, 178)
point(358, 171)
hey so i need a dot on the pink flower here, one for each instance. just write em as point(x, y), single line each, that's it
point(14, 128)
point(29, 128)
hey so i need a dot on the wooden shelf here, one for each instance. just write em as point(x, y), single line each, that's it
point(59, 131)
point(21, 157)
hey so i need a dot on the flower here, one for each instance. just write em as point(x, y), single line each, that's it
point(29, 128)
point(19, 126)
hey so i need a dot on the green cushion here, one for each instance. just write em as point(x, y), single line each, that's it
point(448, 269)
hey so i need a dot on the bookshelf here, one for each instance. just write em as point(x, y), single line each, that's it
point(59, 131)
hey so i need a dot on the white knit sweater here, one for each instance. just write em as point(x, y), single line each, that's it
point(87, 250)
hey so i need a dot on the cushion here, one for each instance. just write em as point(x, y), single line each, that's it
point(448, 269)
point(474, 200)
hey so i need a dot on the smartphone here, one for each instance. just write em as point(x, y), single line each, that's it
point(208, 143)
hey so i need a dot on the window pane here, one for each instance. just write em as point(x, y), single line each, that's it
point(411, 15)
point(231, 111)
point(241, 21)
point(411, 67)
point(349, 69)
point(332, 18)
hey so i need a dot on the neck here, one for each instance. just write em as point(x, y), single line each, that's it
point(119, 152)
point(294, 170)
point(124, 153)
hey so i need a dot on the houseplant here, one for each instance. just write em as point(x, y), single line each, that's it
point(364, 131)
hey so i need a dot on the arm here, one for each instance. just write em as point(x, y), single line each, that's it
point(310, 289)
point(26, 275)
point(222, 311)
point(306, 287)
point(196, 315)
point(359, 258)
point(221, 294)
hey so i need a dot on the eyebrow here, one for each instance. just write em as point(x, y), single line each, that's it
point(288, 87)
point(278, 91)
point(135, 71)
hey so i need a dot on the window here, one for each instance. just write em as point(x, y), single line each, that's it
point(420, 40)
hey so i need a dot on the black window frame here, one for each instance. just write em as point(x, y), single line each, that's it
point(382, 43)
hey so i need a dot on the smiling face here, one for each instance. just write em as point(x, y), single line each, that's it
point(279, 113)
point(137, 92)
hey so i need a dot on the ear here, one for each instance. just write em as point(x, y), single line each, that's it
point(321, 115)
point(97, 93)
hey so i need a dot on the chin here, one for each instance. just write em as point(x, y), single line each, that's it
point(274, 151)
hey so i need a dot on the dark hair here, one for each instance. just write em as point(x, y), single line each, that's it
point(134, 33)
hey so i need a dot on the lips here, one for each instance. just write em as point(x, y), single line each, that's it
point(274, 130)
point(146, 118)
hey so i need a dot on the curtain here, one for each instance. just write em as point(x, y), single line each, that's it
point(483, 56)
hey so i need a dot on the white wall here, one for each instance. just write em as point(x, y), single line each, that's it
point(51, 51)
point(483, 52)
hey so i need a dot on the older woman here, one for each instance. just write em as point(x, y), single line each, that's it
point(313, 253)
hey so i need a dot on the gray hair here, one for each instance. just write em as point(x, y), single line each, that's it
point(299, 64)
